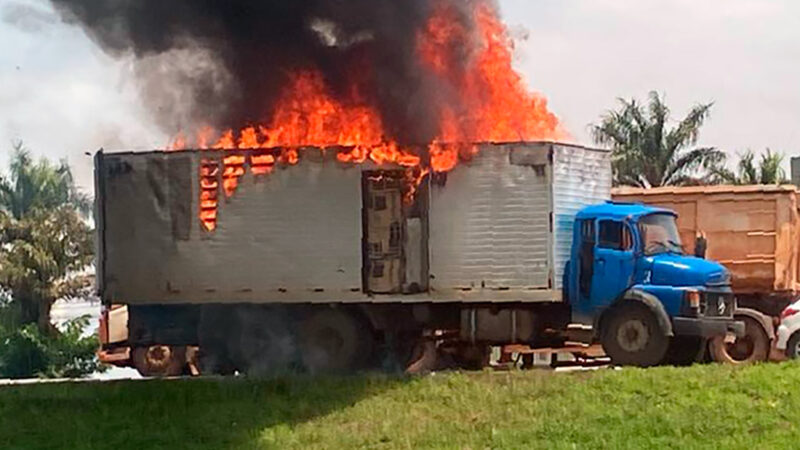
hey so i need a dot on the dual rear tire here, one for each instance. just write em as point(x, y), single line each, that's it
point(334, 341)
point(270, 341)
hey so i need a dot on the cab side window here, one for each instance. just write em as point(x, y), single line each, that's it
point(614, 235)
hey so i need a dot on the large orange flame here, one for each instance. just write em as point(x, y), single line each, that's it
point(488, 102)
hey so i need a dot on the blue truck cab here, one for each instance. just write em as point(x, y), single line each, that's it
point(646, 299)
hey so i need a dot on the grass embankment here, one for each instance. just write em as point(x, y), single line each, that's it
point(708, 406)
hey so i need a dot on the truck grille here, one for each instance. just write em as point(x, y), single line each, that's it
point(718, 304)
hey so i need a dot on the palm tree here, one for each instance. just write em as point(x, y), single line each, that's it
point(44, 240)
point(39, 185)
point(768, 171)
point(41, 257)
point(646, 153)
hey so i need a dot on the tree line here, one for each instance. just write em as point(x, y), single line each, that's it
point(648, 151)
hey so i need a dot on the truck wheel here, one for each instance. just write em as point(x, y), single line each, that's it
point(685, 350)
point(633, 337)
point(750, 348)
point(333, 340)
point(212, 360)
point(159, 360)
point(793, 346)
point(265, 345)
point(213, 332)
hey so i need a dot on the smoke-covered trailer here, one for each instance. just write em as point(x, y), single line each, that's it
point(184, 233)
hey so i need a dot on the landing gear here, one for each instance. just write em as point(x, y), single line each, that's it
point(633, 337)
point(752, 347)
point(159, 360)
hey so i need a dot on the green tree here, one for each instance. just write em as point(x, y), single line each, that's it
point(44, 241)
point(769, 169)
point(45, 248)
point(648, 152)
point(33, 185)
point(42, 255)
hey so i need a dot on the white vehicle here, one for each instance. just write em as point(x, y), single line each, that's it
point(789, 330)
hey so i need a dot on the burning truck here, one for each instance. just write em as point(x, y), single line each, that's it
point(322, 265)
point(360, 182)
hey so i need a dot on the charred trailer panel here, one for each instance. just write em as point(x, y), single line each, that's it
point(288, 235)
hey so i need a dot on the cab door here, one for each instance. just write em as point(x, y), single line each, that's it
point(613, 264)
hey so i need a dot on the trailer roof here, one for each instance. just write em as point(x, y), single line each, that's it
point(619, 210)
point(342, 147)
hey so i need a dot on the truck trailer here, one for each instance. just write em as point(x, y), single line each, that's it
point(755, 232)
point(268, 260)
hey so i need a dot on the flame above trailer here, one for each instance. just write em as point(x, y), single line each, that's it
point(492, 103)
point(487, 102)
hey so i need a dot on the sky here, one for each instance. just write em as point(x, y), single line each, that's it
point(63, 97)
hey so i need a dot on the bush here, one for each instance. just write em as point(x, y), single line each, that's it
point(25, 352)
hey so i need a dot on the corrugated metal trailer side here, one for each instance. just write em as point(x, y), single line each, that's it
point(297, 234)
point(581, 177)
point(752, 230)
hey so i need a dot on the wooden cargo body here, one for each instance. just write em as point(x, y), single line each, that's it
point(753, 230)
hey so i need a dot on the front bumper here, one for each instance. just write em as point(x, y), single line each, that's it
point(706, 327)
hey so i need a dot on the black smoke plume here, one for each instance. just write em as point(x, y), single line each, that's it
point(223, 63)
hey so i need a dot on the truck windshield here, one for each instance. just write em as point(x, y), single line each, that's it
point(660, 234)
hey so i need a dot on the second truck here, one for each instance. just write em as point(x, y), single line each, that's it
point(755, 232)
point(267, 263)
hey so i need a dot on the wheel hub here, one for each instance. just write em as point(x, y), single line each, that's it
point(633, 336)
point(742, 348)
point(330, 341)
point(158, 356)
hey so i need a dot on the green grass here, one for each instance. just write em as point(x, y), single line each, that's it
point(707, 406)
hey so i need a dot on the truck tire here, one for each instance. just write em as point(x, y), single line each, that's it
point(793, 346)
point(685, 350)
point(752, 347)
point(265, 344)
point(632, 336)
point(334, 341)
point(159, 360)
point(213, 332)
